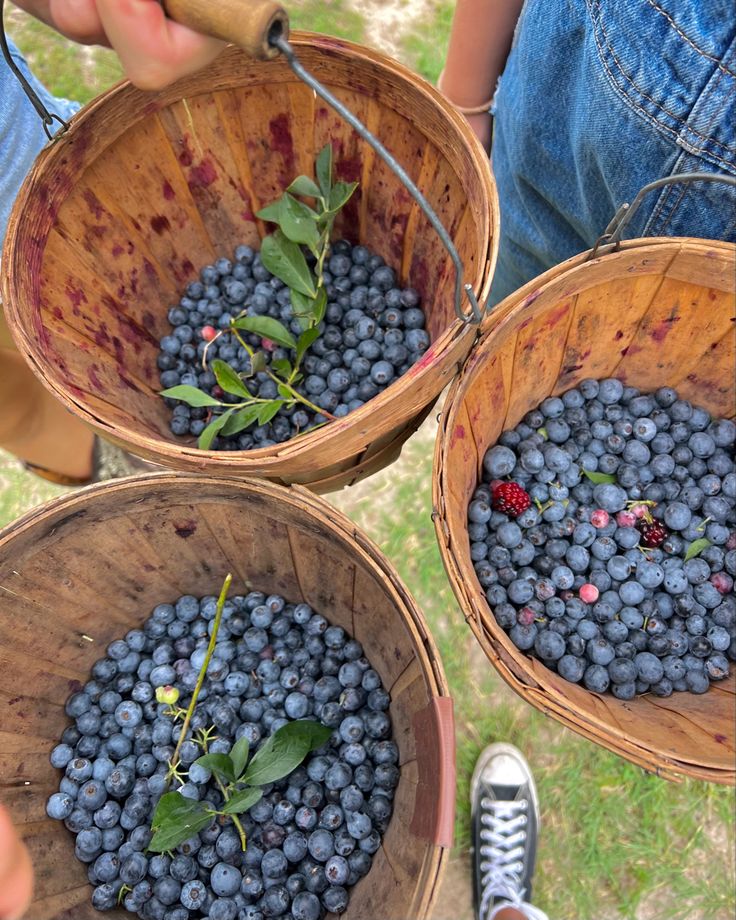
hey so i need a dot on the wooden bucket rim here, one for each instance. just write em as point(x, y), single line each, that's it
point(268, 458)
point(516, 668)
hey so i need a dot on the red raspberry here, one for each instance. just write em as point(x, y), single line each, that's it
point(599, 518)
point(510, 499)
point(653, 533)
point(208, 333)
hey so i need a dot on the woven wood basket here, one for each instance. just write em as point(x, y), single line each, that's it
point(146, 188)
point(81, 571)
point(657, 312)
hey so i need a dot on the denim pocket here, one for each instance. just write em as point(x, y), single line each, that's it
point(675, 67)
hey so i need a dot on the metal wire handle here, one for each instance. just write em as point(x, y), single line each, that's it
point(393, 164)
point(611, 236)
point(48, 118)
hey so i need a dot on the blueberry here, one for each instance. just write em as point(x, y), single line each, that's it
point(306, 906)
point(59, 806)
point(193, 895)
point(596, 678)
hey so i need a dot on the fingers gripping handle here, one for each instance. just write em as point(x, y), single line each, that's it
point(251, 24)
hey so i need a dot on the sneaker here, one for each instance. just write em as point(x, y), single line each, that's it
point(505, 824)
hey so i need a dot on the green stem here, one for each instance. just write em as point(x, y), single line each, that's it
point(236, 819)
point(203, 671)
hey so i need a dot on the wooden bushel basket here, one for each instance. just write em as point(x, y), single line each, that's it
point(83, 570)
point(146, 188)
point(658, 312)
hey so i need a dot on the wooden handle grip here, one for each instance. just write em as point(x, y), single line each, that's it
point(247, 23)
point(434, 806)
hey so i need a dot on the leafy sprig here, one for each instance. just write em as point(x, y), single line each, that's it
point(299, 225)
point(178, 818)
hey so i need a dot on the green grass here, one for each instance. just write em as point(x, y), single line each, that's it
point(333, 17)
point(425, 45)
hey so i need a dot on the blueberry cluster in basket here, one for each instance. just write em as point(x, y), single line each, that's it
point(311, 836)
point(604, 536)
point(372, 333)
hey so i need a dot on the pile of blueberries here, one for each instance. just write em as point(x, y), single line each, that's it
point(372, 333)
point(581, 527)
point(311, 836)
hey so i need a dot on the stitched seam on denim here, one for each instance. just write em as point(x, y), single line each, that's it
point(689, 41)
point(642, 111)
point(673, 209)
point(718, 110)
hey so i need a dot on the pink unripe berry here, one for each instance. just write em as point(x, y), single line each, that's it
point(525, 617)
point(639, 510)
point(599, 518)
point(626, 519)
point(722, 582)
point(589, 593)
point(267, 344)
point(208, 333)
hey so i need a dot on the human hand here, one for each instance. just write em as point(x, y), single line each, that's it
point(481, 126)
point(154, 50)
point(16, 874)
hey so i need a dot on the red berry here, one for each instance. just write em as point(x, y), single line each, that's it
point(589, 593)
point(218, 392)
point(599, 518)
point(495, 483)
point(208, 333)
point(653, 533)
point(722, 582)
point(626, 519)
point(267, 344)
point(526, 616)
point(510, 499)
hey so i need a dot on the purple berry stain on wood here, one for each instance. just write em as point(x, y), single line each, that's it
point(159, 224)
point(281, 140)
point(202, 175)
point(167, 191)
point(94, 378)
point(94, 204)
point(185, 529)
point(663, 329)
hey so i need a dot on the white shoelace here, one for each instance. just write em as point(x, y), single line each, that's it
point(503, 836)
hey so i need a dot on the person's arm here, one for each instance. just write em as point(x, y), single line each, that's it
point(16, 875)
point(482, 32)
point(153, 49)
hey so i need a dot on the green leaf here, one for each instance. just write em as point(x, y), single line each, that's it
point(303, 185)
point(239, 756)
point(228, 379)
point(282, 367)
point(220, 764)
point(191, 396)
point(320, 306)
point(307, 338)
point(299, 223)
point(258, 363)
point(341, 194)
point(242, 801)
point(267, 328)
point(242, 419)
point(598, 478)
point(324, 170)
point(285, 392)
point(272, 212)
point(284, 258)
point(268, 410)
point(303, 306)
point(175, 820)
point(285, 750)
point(696, 548)
point(212, 430)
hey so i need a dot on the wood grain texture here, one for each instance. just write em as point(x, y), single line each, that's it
point(657, 312)
point(83, 570)
point(146, 188)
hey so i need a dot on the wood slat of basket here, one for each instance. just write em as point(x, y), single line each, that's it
point(674, 322)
